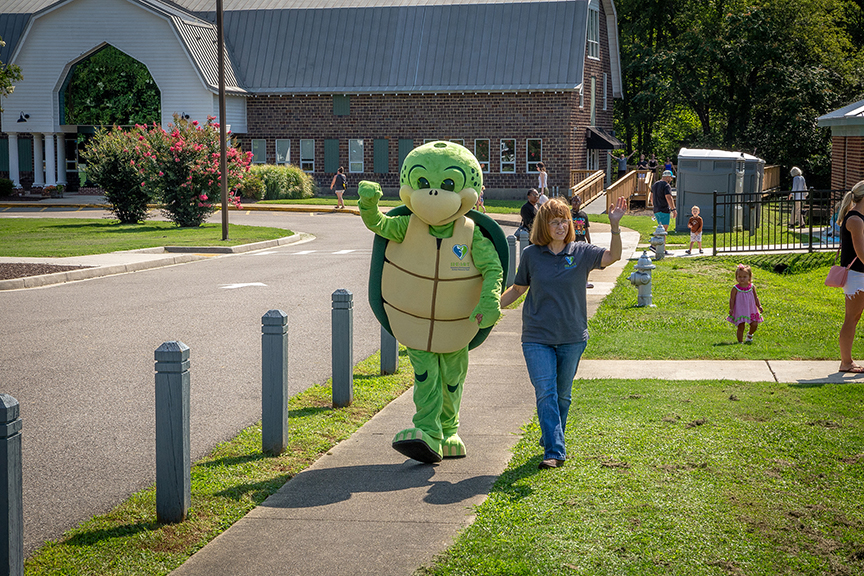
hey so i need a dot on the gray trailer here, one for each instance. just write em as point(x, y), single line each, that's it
point(703, 172)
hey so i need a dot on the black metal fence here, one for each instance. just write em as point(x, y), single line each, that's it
point(767, 221)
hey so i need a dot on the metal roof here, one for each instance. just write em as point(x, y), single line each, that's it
point(848, 115)
point(432, 48)
point(375, 46)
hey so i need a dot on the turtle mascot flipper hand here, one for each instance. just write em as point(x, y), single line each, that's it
point(435, 284)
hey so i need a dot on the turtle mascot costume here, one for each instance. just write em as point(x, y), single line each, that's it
point(435, 284)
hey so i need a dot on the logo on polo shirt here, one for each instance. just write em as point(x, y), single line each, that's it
point(569, 262)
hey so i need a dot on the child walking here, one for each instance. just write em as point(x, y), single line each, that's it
point(695, 226)
point(744, 305)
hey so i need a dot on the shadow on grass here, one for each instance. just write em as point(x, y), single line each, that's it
point(506, 483)
point(256, 491)
point(233, 460)
point(94, 536)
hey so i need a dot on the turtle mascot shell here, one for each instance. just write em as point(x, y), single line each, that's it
point(435, 284)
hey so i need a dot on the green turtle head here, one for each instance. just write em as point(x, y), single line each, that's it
point(440, 181)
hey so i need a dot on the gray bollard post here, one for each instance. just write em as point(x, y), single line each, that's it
point(523, 242)
point(274, 382)
point(511, 272)
point(389, 353)
point(173, 468)
point(11, 494)
point(342, 325)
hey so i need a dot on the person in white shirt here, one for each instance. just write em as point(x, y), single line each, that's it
point(542, 182)
point(798, 194)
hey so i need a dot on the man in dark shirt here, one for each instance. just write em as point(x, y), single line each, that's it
point(661, 197)
point(529, 210)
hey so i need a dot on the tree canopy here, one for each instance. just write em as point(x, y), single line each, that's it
point(9, 74)
point(739, 75)
point(111, 88)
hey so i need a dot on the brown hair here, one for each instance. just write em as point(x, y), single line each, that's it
point(552, 208)
point(746, 268)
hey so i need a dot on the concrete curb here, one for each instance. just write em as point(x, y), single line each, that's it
point(181, 255)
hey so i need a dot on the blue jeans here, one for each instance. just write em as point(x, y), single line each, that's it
point(552, 369)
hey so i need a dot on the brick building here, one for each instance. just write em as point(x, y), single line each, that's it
point(329, 83)
point(847, 144)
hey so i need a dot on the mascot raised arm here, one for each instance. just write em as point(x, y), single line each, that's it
point(435, 285)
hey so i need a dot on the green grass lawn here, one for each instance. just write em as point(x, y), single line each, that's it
point(226, 485)
point(55, 238)
point(691, 295)
point(686, 478)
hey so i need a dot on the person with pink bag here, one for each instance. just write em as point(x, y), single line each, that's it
point(851, 214)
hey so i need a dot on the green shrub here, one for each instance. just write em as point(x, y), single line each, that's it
point(252, 187)
point(284, 181)
point(113, 159)
point(6, 187)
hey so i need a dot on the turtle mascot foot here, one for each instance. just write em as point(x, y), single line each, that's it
point(435, 284)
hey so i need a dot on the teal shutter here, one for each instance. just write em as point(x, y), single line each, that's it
point(25, 155)
point(341, 105)
point(4, 155)
point(406, 145)
point(382, 156)
point(331, 155)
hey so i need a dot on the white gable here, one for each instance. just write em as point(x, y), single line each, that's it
point(61, 36)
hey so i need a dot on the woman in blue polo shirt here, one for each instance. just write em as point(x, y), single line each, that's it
point(554, 314)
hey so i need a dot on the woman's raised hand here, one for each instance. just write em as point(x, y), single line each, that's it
point(618, 211)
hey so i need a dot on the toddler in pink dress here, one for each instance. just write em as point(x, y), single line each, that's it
point(744, 305)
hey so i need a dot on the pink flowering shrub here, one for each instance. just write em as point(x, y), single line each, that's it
point(180, 166)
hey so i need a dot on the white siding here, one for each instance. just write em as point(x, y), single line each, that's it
point(61, 37)
point(235, 110)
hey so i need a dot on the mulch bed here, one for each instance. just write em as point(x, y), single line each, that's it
point(16, 270)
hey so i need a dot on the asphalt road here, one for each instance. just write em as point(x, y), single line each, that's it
point(79, 357)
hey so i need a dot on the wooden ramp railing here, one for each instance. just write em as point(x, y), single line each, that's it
point(624, 187)
point(588, 188)
point(577, 176)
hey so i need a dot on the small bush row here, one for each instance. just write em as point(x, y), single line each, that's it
point(281, 182)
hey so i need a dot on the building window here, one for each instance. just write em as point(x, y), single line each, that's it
point(481, 151)
point(508, 155)
point(582, 96)
point(355, 155)
point(406, 145)
point(533, 153)
point(307, 155)
point(259, 151)
point(381, 155)
point(605, 90)
point(460, 141)
point(283, 151)
point(341, 105)
point(593, 101)
point(593, 33)
point(331, 155)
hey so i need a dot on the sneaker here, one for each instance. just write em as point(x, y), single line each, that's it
point(749, 339)
point(549, 463)
point(589, 285)
point(700, 251)
point(686, 251)
point(668, 253)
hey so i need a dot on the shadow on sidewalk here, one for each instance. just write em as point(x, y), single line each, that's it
point(320, 487)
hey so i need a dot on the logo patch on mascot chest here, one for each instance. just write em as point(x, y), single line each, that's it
point(460, 250)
